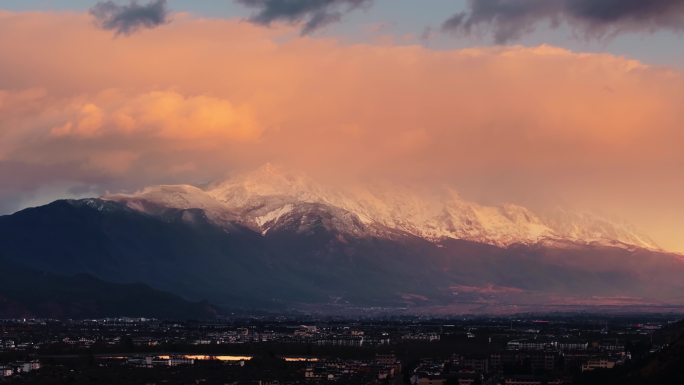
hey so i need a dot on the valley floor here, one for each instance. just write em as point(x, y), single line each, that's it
point(580, 349)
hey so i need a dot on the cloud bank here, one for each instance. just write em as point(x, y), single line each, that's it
point(127, 19)
point(312, 14)
point(80, 111)
point(508, 20)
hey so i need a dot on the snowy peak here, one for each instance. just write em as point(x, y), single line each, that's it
point(267, 181)
point(272, 197)
point(177, 196)
point(596, 228)
point(151, 199)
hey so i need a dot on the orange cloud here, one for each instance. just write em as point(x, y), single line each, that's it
point(201, 97)
point(167, 115)
point(88, 122)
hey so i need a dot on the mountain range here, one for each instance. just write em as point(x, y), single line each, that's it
point(267, 197)
point(277, 240)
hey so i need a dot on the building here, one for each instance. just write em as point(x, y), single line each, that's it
point(478, 364)
point(573, 345)
point(179, 361)
point(341, 340)
point(430, 380)
point(534, 380)
point(26, 367)
point(612, 346)
point(602, 363)
point(428, 337)
point(6, 371)
point(523, 380)
point(7, 344)
point(542, 361)
point(152, 361)
point(386, 359)
point(531, 345)
point(468, 379)
point(573, 360)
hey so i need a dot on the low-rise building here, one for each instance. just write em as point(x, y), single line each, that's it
point(430, 380)
point(523, 380)
point(602, 363)
point(6, 371)
point(571, 345)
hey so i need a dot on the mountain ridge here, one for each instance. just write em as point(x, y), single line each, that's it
point(305, 261)
point(258, 199)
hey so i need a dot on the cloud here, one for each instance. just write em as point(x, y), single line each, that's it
point(127, 19)
point(530, 125)
point(160, 114)
point(313, 14)
point(510, 19)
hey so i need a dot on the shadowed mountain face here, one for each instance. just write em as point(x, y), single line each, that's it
point(308, 260)
point(29, 293)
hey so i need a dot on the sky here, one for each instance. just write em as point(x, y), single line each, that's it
point(537, 102)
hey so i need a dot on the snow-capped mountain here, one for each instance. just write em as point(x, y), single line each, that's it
point(271, 197)
point(271, 239)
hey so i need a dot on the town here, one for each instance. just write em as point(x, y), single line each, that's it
point(522, 350)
